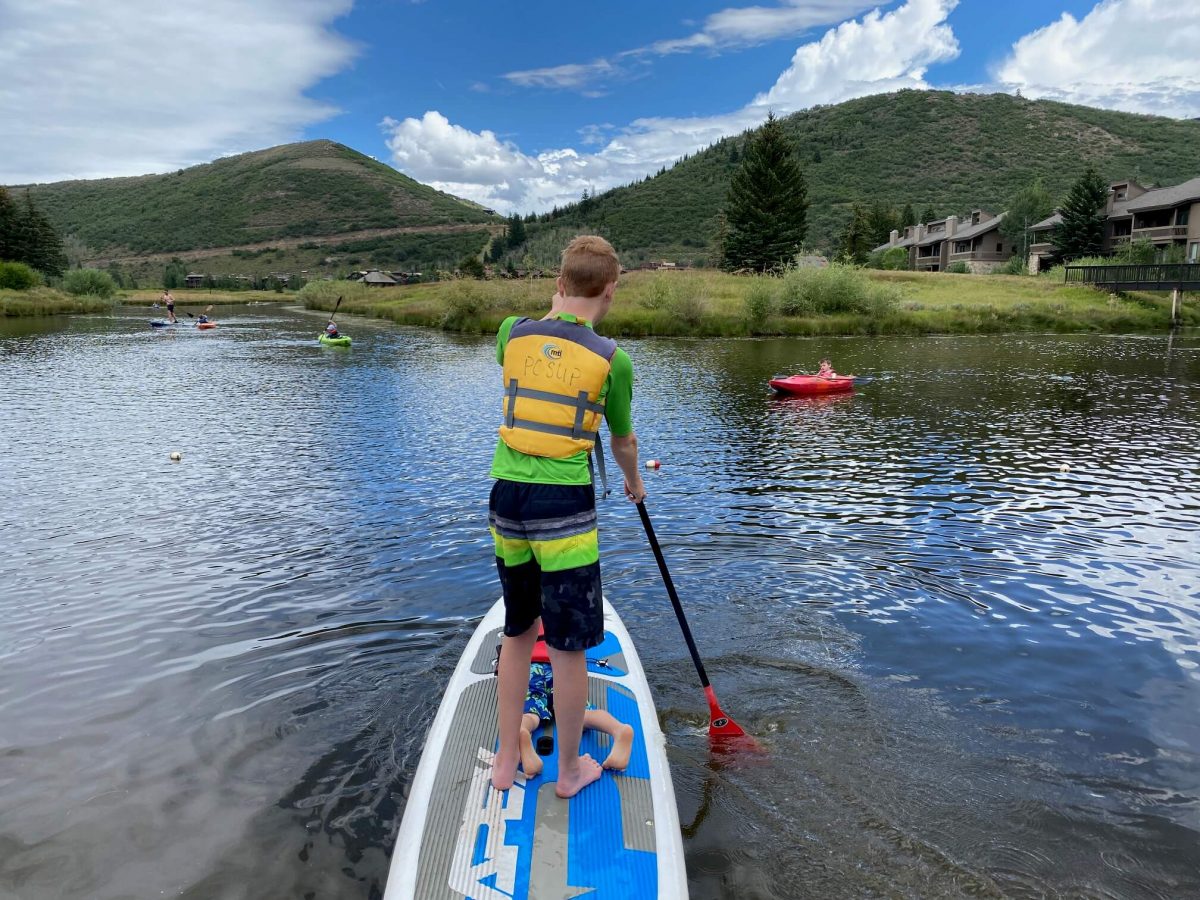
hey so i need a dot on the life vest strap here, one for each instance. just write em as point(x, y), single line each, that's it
point(560, 430)
point(581, 401)
point(599, 456)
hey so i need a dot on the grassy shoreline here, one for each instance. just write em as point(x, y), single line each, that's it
point(699, 303)
point(44, 301)
point(714, 304)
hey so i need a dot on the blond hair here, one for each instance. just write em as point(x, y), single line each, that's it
point(589, 265)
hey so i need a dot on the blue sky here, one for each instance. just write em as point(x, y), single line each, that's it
point(522, 106)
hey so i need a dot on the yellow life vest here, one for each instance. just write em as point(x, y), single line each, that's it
point(554, 371)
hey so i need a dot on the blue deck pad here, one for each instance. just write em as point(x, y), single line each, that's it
point(597, 858)
point(603, 651)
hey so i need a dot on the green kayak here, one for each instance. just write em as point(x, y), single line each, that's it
point(342, 340)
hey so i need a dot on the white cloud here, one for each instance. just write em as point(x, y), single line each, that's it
point(574, 75)
point(733, 27)
point(126, 87)
point(1133, 55)
point(883, 52)
point(879, 54)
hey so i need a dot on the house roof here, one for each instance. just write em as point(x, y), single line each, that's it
point(983, 227)
point(378, 278)
point(1187, 192)
point(1047, 223)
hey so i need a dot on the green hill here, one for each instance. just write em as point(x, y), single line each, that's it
point(306, 190)
point(952, 152)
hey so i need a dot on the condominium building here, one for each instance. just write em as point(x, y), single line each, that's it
point(1165, 217)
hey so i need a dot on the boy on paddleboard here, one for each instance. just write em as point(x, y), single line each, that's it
point(560, 378)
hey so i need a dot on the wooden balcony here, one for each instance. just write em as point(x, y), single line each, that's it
point(1161, 233)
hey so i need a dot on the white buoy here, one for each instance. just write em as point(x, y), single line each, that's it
point(1064, 468)
point(176, 456)
point(653, 464)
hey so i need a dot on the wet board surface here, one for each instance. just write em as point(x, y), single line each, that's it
point(617, 839)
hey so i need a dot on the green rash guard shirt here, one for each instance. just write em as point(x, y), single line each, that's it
point(617, 396)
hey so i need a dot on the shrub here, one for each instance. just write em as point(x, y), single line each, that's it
point(1015, 266)
point(689, 307)
point(760, 301)
point(660, 294)
point(89, 282)
point(16, 276)
point(466, 302)
point(796, 297)
point(958, 268)
point(893, 260)
point(1138, 253)
point(324, 294)
point(838, 288)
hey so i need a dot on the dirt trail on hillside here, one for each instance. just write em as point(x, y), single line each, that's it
point(291, 243)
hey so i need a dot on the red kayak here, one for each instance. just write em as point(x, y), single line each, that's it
point(204, 326)
point(813, 384)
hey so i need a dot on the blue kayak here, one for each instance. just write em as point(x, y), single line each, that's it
point(160, 324)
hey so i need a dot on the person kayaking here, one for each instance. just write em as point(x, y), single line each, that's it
point(331, 330)
point(539, 708)
point(826, 370)
point(169, 302)
point(201, 319)
point(560, 378)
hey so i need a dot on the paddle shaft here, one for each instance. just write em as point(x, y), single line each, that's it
point(666, 575)
point(335, 309)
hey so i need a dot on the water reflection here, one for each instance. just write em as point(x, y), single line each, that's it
point(959, 607)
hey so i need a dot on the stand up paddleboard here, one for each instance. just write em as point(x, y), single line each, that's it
point(618, 839)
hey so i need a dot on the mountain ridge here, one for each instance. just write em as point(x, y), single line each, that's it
point(949, 151)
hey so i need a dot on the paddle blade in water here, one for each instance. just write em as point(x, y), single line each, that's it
point(720, 725)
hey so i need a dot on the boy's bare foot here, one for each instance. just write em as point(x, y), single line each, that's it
point(531, 763)
point(504, 771)
point(618, 756)
point(570, 784)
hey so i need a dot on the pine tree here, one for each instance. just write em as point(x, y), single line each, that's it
point(856, 241)
point(1027, 206)
point(907, 216)
point(28, 236)
point(928, 216)
point(516, 231)
point(46, 247)
point(1081, 231)
point(8, 227)
point(767, 204)
point(882, 218)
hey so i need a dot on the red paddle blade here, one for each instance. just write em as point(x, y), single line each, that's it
point(720, 725)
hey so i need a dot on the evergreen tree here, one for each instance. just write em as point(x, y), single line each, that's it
point(856, 241)
point(44, 251)
point(882, 218)
point(8, 227)
point(1081, 231)
point(767, 204)
point(928, 216)
point(907, 216)
point(27, 236)
point(816, 155)
point(1026, 207)
point(516, 231)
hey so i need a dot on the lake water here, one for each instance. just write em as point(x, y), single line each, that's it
point(960, 608)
